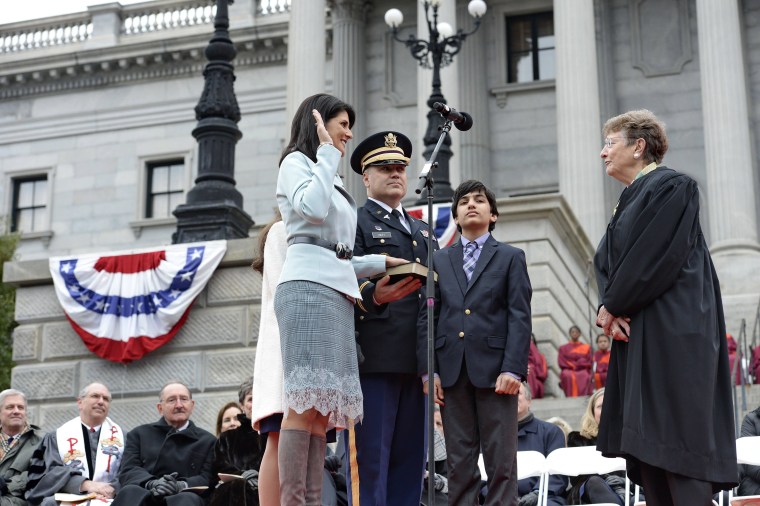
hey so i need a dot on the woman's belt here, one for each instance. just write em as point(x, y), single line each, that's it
point(342, 250)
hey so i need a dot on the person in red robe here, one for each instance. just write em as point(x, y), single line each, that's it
point(601, 360)
point(755, 371)
point(537, 370)
point(575, 360)
point(732, 359)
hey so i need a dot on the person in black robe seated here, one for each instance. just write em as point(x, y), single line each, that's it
point(238, 452)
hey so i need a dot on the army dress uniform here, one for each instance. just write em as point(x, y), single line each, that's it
point(385, 455)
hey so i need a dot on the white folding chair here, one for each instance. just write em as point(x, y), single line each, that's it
point(582, 460)
point(747, 452)
point(644, 503)
point(529, 464)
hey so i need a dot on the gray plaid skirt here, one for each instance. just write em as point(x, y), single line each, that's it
point(318, 351)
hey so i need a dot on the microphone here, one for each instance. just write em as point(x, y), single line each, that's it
point(423, 176)
point(461, 120)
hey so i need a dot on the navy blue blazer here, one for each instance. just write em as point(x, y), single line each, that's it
point(486, 323)
point(387, 333)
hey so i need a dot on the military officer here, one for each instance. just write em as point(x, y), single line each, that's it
point(385, 454)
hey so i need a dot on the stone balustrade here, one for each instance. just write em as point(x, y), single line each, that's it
point(151, 18)
point(45, 33)
point(267, 7)
point(130, 21)
point(111, 43)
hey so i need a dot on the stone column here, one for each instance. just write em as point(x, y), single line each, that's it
point(579, 139)
point(306, 52)
point(474, 152)
point(349, 77)
point(728, 143)
point(729, 164)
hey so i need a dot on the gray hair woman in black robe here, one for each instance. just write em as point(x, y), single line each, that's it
point(667, 407)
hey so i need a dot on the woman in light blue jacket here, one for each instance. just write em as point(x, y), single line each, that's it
point(315, 295)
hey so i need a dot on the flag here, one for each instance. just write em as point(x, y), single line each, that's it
point(131, 303)
point(444, 227)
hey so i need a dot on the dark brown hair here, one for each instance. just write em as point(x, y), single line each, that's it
point(303, 133)
point(220, 415)
point(472, 186)
point(258, 261)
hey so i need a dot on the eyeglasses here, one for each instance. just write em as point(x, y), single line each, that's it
point(609, 141)
point(177, 400)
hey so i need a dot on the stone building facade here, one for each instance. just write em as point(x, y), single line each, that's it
point(93, 103)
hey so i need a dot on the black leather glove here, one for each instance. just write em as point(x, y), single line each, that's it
point(529, 499)
point(3, 487)
point(332, 463)
point(616, 483)
point(161, 487)
point(251, 476)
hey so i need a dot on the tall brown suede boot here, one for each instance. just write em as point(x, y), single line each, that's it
point(315, 472)
point(292, 457)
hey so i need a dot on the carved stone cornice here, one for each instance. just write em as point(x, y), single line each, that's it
point(354, 10)
point(56, 71)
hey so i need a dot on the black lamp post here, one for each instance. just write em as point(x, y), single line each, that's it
point(214, 207)
point(435, 53)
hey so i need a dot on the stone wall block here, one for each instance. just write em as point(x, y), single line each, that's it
point(254, 321)
point(233, 286)
point(131, 412)
point(59, 340)
point(207, 405)
point(144, 376)
point(47, 381)
point(51, 416)
point(36, 303)
point(229, 368)
point(213, 327)
point(26, 342)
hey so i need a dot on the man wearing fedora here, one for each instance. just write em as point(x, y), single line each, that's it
point(385, 455)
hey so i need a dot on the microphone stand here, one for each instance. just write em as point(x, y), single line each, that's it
point(426, 181)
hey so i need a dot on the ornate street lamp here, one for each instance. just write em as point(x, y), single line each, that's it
point(214, 207)
point(435, 53)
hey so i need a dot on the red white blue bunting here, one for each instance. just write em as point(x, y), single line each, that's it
point(444, 226)
point(129, 304)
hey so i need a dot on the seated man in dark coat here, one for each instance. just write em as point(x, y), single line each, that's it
point(543, 437)
point(169, 461)
point(238, 452)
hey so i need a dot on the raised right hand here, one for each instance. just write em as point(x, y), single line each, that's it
point(322, 133)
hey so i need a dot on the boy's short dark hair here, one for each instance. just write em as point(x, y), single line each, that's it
point(471, 186)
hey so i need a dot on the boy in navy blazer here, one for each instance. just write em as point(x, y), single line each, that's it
point(482, 338)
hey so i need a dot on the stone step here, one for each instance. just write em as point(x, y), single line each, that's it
point(571, 409)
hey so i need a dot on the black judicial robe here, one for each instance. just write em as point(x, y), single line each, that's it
point(668, 396)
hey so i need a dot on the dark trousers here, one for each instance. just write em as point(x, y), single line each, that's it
point(663, 488)
point(135, 495)
point(475, 418)
point(388, 450)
